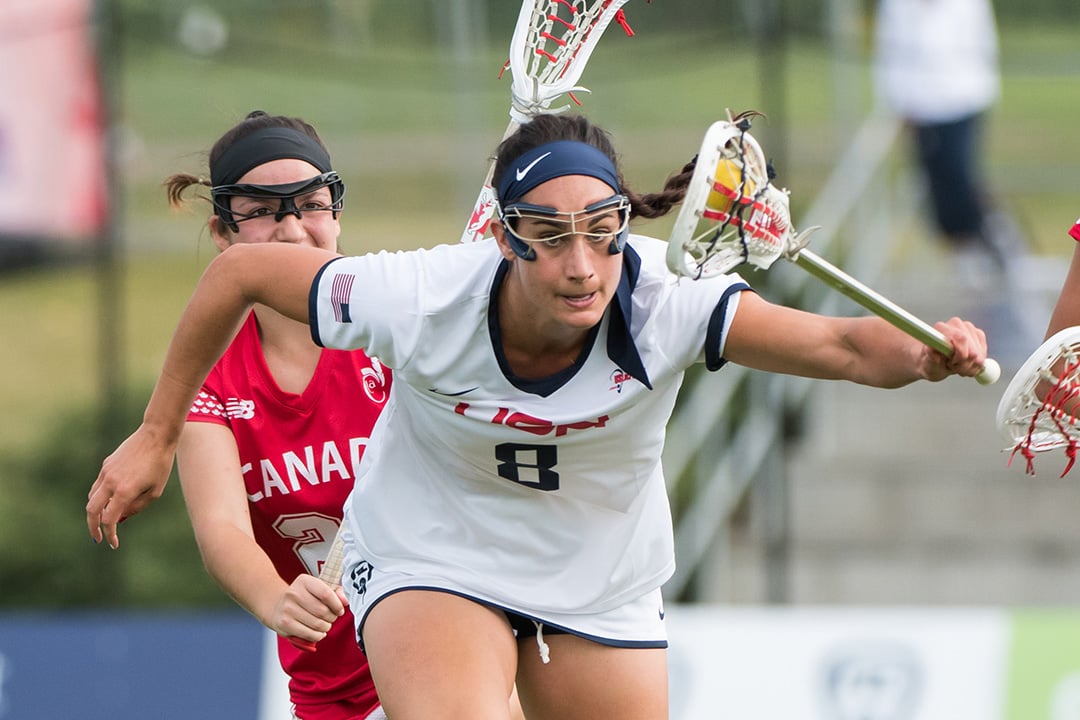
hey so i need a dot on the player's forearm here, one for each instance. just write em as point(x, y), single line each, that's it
point(274, 274)
point(882, 355)
point(890, 358)
point(242, 569)
point(209, 322)
point(865, 350)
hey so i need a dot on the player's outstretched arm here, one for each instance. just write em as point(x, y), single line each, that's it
point(865, 350)
point(272, 274)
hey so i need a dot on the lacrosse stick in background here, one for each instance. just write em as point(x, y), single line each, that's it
point(552, 42)
point(1038, 411)
point(331, 575)
point(733, 214)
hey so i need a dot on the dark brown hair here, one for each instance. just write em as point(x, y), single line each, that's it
point(548, 128)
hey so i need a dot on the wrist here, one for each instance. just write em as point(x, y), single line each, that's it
point(160, 431)
point(167, 411)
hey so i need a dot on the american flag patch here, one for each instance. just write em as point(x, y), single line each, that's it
point(340, 294)
point(1075, 231)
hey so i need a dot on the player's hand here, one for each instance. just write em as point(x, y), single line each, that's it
point(969, 351)
point(307, 609)
point(131, 478)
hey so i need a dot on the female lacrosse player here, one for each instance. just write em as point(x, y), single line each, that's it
point(510, 517)
point(273, 440)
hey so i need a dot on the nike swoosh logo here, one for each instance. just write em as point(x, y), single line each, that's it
point(522, 172)
point(456, 394)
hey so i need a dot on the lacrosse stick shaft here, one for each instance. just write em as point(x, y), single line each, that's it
point(331, 575)
point(480, 217)
point(886, 309)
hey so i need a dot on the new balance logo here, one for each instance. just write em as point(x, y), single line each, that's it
point(240, 409)
point(520, 173)
point(206, 404)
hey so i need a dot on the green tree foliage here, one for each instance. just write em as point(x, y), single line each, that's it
point(49, 560)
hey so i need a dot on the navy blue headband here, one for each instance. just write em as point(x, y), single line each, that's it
point(264, 145)
point(552, 160)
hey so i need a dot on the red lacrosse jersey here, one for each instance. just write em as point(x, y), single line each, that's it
point(299, 455)
point(1075, 231)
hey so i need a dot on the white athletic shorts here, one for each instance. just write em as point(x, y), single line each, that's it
point(636, 624)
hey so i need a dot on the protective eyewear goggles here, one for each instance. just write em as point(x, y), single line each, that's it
point(287, 194)
point(606, 219)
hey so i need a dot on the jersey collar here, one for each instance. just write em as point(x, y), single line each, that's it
point(620, 341)
point(621, 349)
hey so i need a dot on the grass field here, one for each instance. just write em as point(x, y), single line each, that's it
point(412, 145)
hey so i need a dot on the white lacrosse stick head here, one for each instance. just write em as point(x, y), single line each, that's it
point(1040, 409)
point(731, 214)
point(552, 42)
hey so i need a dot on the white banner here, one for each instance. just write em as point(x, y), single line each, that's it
point(52, 151)
point(838, 663)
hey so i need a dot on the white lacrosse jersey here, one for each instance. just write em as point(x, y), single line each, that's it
point(538, 496)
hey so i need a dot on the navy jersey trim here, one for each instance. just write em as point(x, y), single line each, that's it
point(621, 349)
point(714, 333)
point(540, 386)
point(313, 303)
point(620, 341)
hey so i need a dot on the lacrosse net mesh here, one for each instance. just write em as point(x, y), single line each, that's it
point(550, 47)
point(1040, 409)
point(732, 213)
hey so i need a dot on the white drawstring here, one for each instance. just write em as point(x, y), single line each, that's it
point(545, 651)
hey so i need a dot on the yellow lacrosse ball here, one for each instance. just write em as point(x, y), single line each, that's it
point(728, 175)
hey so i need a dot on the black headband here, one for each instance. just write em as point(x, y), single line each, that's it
point(264, 145)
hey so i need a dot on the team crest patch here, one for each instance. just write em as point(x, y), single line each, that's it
point(374, 382)
point(618, 377)
point(359, 577)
